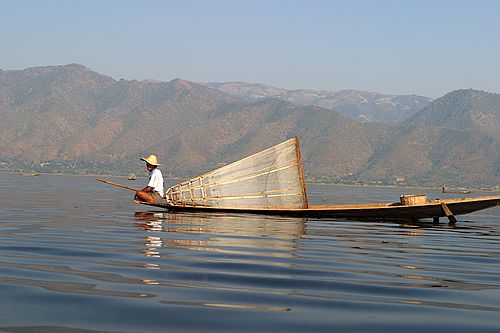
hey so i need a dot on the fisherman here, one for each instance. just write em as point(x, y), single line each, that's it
point(153, 192)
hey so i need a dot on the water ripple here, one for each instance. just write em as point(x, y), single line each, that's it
point(97, 268)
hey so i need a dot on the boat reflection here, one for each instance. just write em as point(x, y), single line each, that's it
point(220, 233)
point(201, 237)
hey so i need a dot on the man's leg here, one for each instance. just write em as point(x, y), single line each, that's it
point(144, 196)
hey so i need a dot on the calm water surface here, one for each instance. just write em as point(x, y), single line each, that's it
point(77, 255)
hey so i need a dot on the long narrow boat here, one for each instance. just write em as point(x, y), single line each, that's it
point(272, 182)
point(456, 191)
point(397, 210)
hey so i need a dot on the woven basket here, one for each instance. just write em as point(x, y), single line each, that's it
point(413, 199)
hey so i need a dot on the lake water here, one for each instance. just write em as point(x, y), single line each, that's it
point(79, 256)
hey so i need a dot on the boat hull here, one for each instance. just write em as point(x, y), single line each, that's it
point(431, 209)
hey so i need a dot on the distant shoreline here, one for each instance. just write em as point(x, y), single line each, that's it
point(179, 179)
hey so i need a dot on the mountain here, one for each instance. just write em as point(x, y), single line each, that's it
point(68, 113)
point(71, 115)
point(456, 139)
point(71, 119)
point(462, 109)
point(247, 90)
point(430, 155)
point(355, 104)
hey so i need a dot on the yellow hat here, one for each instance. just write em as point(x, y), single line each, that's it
point(151, 159)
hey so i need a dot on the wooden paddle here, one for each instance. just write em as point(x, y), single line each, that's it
point(116, 184)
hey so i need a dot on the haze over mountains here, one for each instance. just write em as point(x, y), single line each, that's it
point(69, 118)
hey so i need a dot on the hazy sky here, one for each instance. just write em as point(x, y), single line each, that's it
point(396, 47)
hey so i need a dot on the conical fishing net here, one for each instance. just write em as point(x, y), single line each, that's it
point(272, 178)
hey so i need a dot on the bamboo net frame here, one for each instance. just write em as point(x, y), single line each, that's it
point(272, 178)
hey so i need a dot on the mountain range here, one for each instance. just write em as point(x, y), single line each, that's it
point(71, 119)
point(355, 104)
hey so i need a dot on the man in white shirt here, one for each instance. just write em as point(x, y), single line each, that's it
point(153, 192)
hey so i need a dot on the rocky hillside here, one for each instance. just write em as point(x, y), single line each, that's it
point(355, 104)
point(69, 118)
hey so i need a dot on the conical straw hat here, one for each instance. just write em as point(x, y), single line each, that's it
point(151, 159)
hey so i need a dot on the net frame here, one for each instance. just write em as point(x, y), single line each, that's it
point(271, 178)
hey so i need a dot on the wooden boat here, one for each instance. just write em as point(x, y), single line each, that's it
point(490, 189)
point(456, 191)
point(430, 209)
point(29, 173)
point(272, 182)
